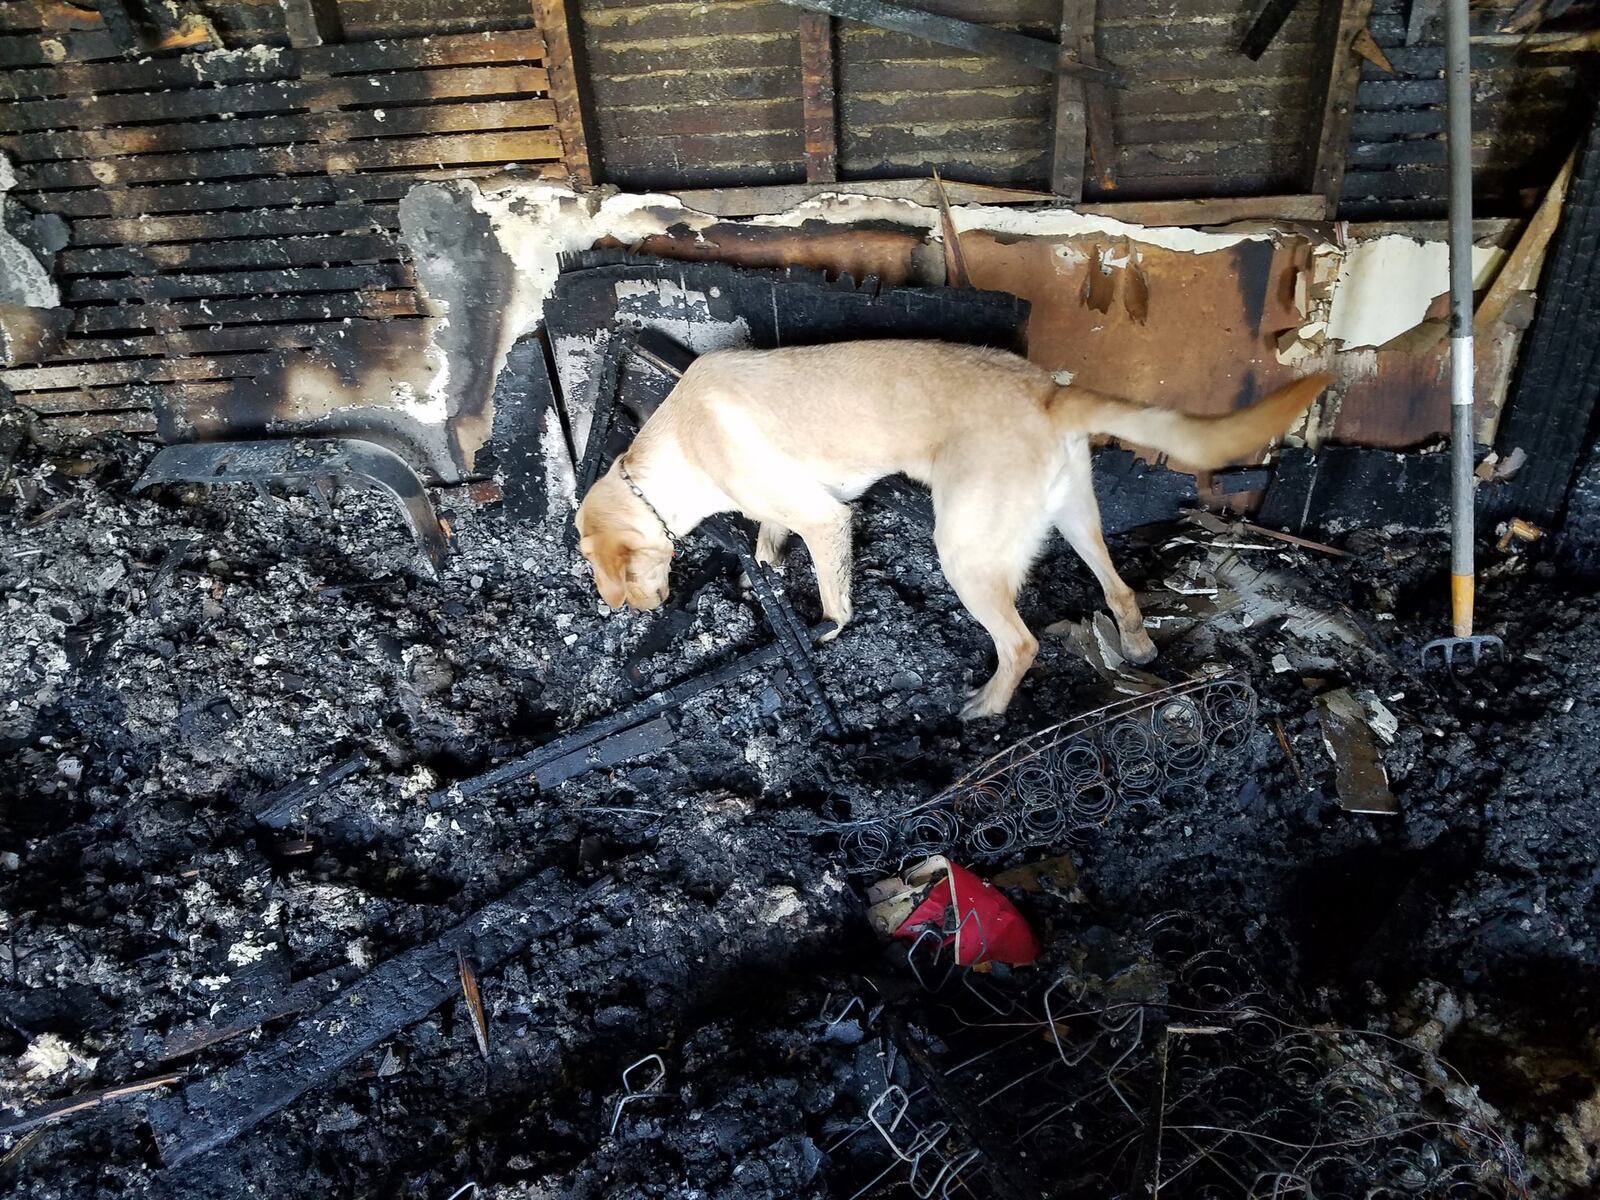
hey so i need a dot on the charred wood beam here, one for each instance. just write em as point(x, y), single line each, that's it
point(574, 121)
point(213, 1111)
point(1554, 408)
point(56, 1110)
point(596, 732)
point(1083, 142)
point(279, 808)
point(1330, 138)
point(964, 35)
point(297, 998)
point(311, 22)
point(818, 99)
point(1264, 27)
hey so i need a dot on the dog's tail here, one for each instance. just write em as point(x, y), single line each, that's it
point(1202, 443)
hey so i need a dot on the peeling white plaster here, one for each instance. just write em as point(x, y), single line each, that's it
point(23, 278)
point(1386, 285)
point(1048, 222)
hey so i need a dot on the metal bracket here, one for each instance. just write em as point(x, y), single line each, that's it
point(300, 460)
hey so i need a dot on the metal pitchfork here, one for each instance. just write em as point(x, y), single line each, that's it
point(1449, 651)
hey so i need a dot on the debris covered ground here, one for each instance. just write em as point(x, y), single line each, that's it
point(171, 659)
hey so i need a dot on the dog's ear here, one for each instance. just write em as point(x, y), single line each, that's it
point(609, 557)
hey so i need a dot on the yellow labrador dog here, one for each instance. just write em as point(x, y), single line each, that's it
point(790, 437)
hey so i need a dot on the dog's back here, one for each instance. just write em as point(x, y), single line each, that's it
point(858, 410)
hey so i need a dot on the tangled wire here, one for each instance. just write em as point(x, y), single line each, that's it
point(1174, 1072)
point(1065, 781)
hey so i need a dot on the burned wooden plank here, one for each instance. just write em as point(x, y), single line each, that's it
point(964, 35)
point(1330, 135)
point(311, 22)
point(400, 991)
point(209, 226)
point(1343, 488)
point(1069, 139)
point(328, 306)
point(278, 281)
point(1551, 411)
point(528, 145)
point(190, 136)
point(102, 116)
point(31, 50)
point(149, 75)
point(817, 90)
point(309, 993)
point(573, 118)
point(139, 370)
point(56, 1110)
point(282, 806)
point(589, 736)
point(222, 340)
point(755, 201)
point(125, 398)
point(382, 276)
point(311, 250)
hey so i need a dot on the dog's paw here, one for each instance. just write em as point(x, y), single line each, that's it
point(1139, 650)
point(981, 704)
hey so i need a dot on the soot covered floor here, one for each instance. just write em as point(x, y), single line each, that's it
point(169, 659)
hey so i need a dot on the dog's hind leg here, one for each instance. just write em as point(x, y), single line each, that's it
point(986, 543)
point(1077, 516)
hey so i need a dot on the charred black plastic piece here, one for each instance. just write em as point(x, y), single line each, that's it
point(780, 614)
point(306, 460)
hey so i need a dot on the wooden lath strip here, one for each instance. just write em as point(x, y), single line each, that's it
point(280, 97)
point(201, 314)
point(267, 63)
point(310, 250)
point(226, 340)
point(528, 146)
point(251, 195)
point(276, 282)
point(28, 381)
point(122, 398)
point(262, 132)
point(573, 119)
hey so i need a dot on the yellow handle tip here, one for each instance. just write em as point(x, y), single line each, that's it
point(1461, 594)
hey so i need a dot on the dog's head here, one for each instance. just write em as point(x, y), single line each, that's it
point(631, 561)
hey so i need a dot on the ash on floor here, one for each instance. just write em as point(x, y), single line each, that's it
point(169, 659)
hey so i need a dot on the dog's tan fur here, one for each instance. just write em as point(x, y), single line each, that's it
point(789, 437)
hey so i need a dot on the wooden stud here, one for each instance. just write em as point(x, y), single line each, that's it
point(1070, 140)
point(310, 22)
point(1331, 136)
point(1083, 140)
point(817, 93)
point(554, 18)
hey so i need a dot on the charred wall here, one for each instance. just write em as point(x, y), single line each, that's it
point(215, 209)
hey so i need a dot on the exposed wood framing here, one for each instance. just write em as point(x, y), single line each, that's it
point(1083, 144)
point(311, 22)
point(1522, 264)
point(964, 35)
point(566, 88)
point(1069, 145)
point(1331, 136)
point(817, 88)
point(1264, 26)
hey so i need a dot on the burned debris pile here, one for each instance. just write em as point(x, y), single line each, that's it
point(323, 872)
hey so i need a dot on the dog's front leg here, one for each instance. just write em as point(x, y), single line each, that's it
point(770, 543)
point(827, 537)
